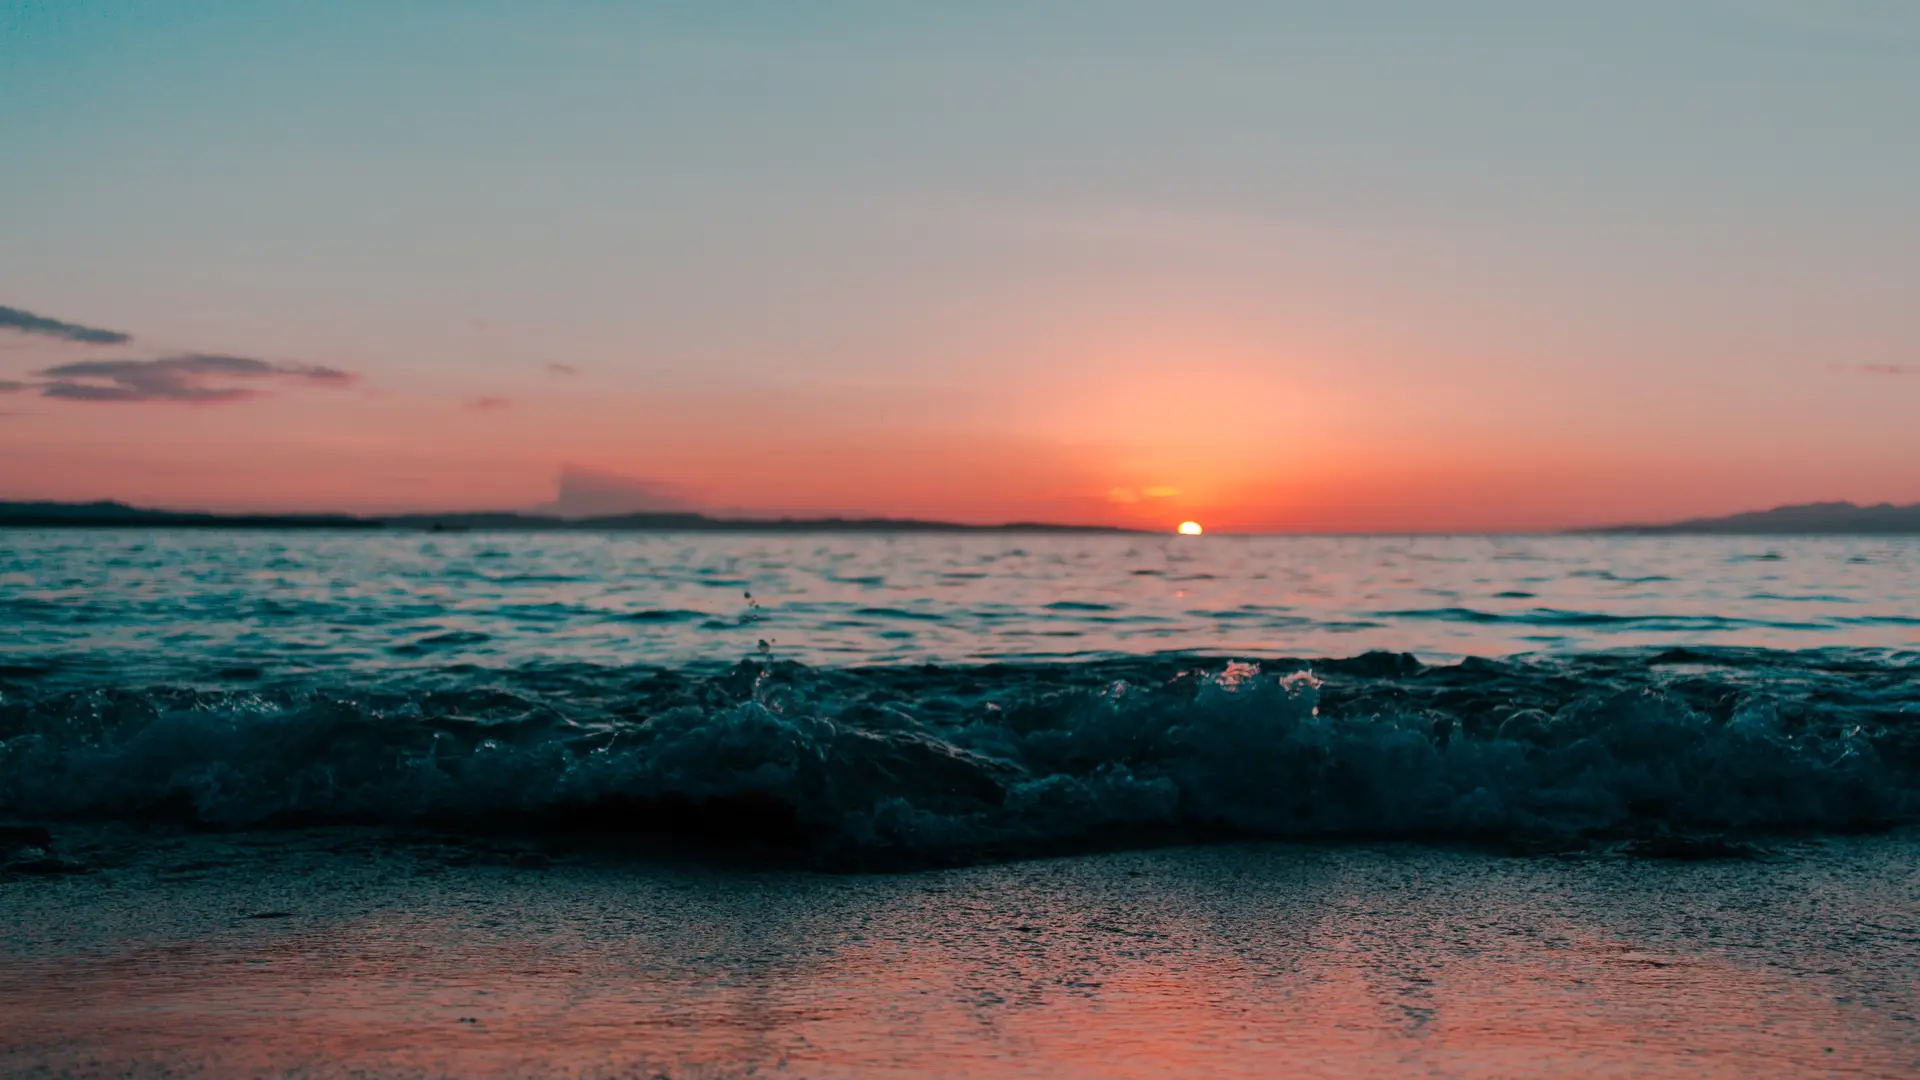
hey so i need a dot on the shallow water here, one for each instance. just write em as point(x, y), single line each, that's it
point(336, 953)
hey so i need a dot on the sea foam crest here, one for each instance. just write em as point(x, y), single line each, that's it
point(952, 764)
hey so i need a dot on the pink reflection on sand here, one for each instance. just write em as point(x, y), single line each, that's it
point(1074, 969)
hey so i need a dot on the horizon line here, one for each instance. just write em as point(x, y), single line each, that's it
point(111, 513)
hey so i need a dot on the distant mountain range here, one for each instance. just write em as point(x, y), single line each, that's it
point(120, 515)
point(1810, 519)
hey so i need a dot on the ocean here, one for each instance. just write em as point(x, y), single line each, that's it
point(498, 804)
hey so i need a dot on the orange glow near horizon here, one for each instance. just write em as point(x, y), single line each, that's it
point(1132, 420)
point(362, 453)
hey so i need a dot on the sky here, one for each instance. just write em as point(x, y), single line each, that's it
point(1341, 265)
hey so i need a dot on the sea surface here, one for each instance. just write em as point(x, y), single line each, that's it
point(506, 804)
point(130, 603)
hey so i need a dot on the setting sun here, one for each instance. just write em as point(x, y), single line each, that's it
point(1190, 528)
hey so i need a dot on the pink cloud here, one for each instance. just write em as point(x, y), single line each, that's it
point(193, 378)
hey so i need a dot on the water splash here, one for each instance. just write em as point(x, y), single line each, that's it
point(944, 764)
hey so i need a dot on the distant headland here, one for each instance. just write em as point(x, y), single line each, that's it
point(120, 515)
point(1808, 519)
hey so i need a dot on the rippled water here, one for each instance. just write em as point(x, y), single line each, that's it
point(1139, 691)
point(160, 603)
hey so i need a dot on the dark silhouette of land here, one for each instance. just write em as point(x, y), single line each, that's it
point(1810, 519)
point(113, 514)
point(120, 515)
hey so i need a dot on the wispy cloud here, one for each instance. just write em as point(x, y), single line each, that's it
point(488, 404)
point(8, 386)
point(562, 369)
point(194, 378)
point(26, 322)
point(1877, 369)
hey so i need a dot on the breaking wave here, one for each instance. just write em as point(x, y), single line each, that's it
point(930, 764)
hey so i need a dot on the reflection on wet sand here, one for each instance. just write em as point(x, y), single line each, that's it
point(1236, 961)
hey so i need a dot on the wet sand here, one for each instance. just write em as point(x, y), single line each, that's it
point(345, 952)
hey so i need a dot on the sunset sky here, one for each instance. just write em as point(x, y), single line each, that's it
point(1335, 265)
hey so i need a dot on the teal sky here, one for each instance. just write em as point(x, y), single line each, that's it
point(1316, 265)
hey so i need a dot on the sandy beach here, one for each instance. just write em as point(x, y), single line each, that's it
point(349, 952)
